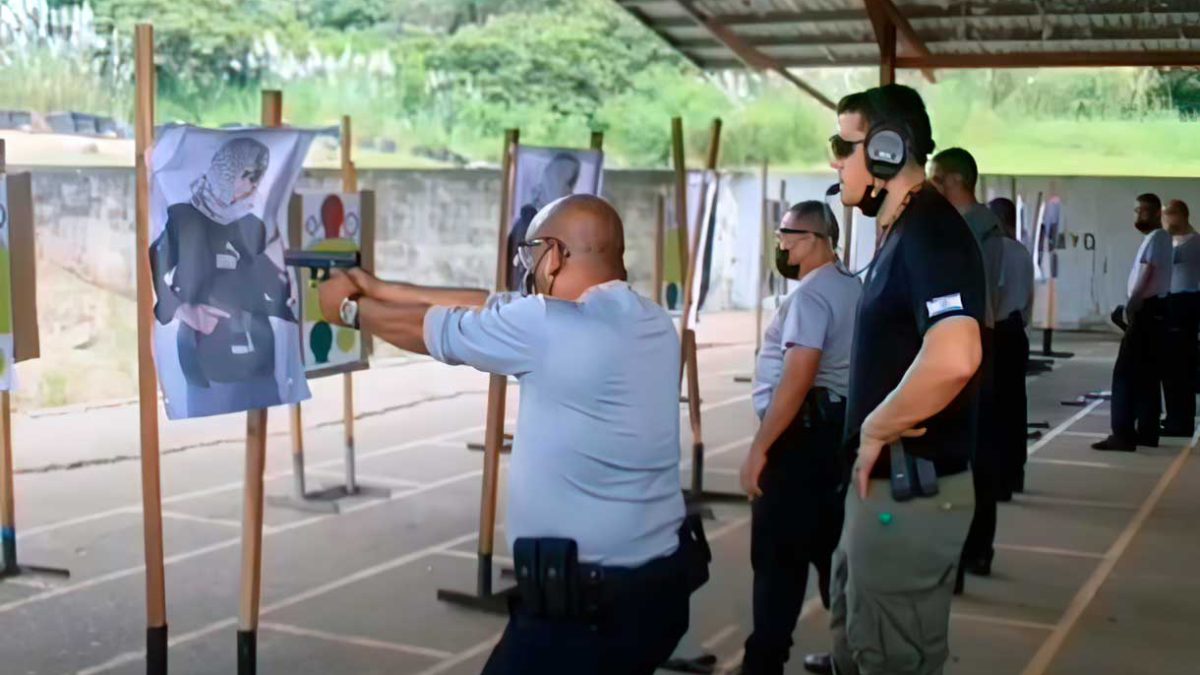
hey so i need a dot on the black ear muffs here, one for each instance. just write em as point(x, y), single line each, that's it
point(887, 149)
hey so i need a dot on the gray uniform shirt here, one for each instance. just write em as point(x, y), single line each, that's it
point(1185, 270)
point(1016, 282)
point(596, 451)
point(1155, 252)
point(987, 230)
point(819, 314)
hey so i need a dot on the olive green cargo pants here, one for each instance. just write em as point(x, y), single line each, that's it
point(893, 578)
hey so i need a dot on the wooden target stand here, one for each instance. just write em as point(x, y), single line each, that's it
point(496, 442)
point(22, 351)
point(256, 420)
point(327, 500)
point(156, 603)
point(689, 362)
point(763, 272)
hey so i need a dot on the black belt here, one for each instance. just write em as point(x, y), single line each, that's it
point(553, 584)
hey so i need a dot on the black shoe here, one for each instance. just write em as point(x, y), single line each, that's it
point(1004, 496)
point(822, 664)
point(1148, 442)
point(1115, 444)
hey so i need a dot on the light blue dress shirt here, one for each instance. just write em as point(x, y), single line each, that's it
point(596, 450)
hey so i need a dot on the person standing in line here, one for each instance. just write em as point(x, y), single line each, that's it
point(1183, 323)
point(913, 397)
point(955, 174)
point(1014, 307)
point(794, 471)
point(1136, 397)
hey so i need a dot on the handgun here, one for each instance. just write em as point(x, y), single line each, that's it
point(319, 263)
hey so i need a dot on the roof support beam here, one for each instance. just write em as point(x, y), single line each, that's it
point(752, 57)
point(880, 10)
point(1053, 60)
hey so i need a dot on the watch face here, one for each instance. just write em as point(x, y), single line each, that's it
point(349, 312)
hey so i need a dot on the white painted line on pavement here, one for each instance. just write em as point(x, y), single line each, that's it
point(463, 656)
point(1049, 550)
point(473, 556)
point(1001, 621)
point(222, 522)
point(1049, 650)
point(356, 641)
point(719, 637)
point(1028, 499)
point(233, 485)
point(1085, 434)
point(1063, 426)
point(227, 543)
point(133, 656)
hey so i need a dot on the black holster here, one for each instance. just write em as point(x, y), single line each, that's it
point(553, 584)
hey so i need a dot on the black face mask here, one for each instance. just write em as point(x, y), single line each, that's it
point(785, 269)
point(870, 205)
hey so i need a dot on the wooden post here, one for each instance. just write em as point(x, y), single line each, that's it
point(689, 361)
point(660, 235)
point(761, 270)
point(349, 184)
point(252, 502)
point(152, 538)
point(681, 185)
point(8, 511)
point(497, 384)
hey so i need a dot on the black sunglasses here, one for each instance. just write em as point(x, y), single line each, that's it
point(842, 148)
point(788, 230)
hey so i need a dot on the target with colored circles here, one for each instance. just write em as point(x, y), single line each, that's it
point(331, 222)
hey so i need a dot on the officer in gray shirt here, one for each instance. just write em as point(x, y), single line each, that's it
point(793, 471)
point(1013, 308)
point(1183, 323)
point(955, 174)
point(606, 559)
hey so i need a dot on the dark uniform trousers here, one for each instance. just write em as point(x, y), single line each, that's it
point(795, 523)
point(642, 614)
point(1136, 401)
point(987, 463)
point(1179, 379)
point(1012, 413)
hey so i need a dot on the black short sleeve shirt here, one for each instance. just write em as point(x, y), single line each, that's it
point(929, 269)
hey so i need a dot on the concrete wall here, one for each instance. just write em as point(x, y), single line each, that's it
point(440, 227)
point(436, 227)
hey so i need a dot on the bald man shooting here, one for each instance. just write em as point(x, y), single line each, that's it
point(606, 560)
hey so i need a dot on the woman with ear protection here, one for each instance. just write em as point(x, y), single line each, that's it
point(793, 472)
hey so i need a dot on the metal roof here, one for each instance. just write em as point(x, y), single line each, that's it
point(948, 33)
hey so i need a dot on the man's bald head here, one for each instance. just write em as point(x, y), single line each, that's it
point(588, 226)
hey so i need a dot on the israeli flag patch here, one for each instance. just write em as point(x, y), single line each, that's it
point(944, 304)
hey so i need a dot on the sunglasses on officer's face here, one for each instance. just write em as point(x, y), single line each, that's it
point(787, 230)
point(842, 148)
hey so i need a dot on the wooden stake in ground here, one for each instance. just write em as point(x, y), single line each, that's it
point(156, 601)
point(689, 364)
point(252, 498)
point(326, 501)
point(660, 226)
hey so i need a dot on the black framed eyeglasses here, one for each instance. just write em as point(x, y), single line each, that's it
point(525, 250)
point(842, 148)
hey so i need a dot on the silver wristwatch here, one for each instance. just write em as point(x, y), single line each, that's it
point(348, 312)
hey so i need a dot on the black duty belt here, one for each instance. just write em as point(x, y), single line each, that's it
point(553, 584)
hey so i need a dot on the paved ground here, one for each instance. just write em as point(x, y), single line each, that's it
point(1094, 573)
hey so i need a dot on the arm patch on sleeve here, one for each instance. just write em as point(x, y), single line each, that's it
point(944, 304)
